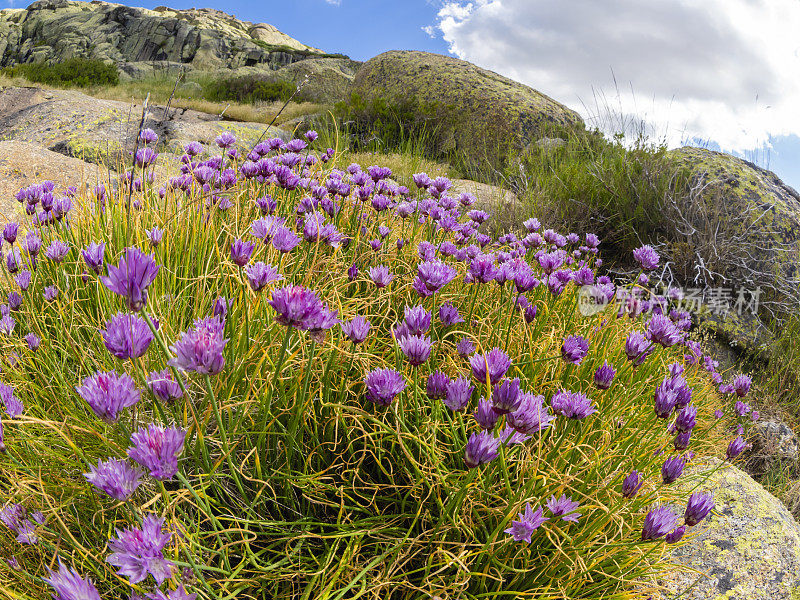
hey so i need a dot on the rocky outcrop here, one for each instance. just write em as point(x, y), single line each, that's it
point(137, 39)
point(475, 112)
point(748, 548)
point(104, 131)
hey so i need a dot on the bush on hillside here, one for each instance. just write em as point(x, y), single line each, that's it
point(306, 382)
point(249, 89)
point(73, 72)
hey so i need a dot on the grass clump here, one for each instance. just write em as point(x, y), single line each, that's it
point(291, 355)
point(73, 72)
point(249, 89)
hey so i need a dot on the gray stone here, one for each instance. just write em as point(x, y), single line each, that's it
point(774, 445)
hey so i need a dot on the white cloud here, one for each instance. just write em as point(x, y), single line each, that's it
point(430, 30)
point(334, 2)
point(726, 70)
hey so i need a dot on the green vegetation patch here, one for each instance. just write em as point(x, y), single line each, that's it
point(73, 72)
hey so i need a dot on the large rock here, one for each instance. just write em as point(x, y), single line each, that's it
point(207, 39)
point(747, 549)
point(104, 131)
point(474, 111)
point(740, 227)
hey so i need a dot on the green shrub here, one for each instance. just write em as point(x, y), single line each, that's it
point(248, 89)
point(73, 72)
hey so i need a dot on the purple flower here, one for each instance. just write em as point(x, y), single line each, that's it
point(260, 275)
point(632, 484)
point(572, 405)
point(145, 157)
point(114, 477)
point(531, 415)
point(285, 240)
point(127, 336)
point(672, 468)
point(14, 301)
point(221, 306)
point(108, 393)
point(33, 341)
point(662, 330)
point(448, 315)
point(156, 448)
point(735, 448)
point(647, 257)
point(380, 276)
point(417, 348)
point(13, 260)
point(383, 385)
point(417, 320)
point(148, 136)
point(23, 280)
point(135, 272)
point(201, 349)
point(241, 252)
point(140, 551)
point(57, 251)
point(436, 386)
point(681, 441)
point(93, 256)
point(13, 406)
point(163, 385)
point(741, 385)
point(492, 365)
point(225, 139)
point(698, 507)
point(675, 535)
point(637, 347)
point(574, 349)
point(50, 293)
point(657, 523)
point(686, 419)
point(357, 329)
point(482, 268)
point(481, 448)
point(666, 399)
point(434, 275)
point(296, 306)
point(69, 585)
point(528, 522)
point(564, 507)
point(506, 396)
point(33, 243)
point(604, 376)
point(458, 393)
point(718, 414)
point(465, 347)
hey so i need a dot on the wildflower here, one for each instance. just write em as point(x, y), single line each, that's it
point(57, 251)
point(492, 365)
point(574, 349)
point(380, 276)
point(632, 484)
point(201, 349)
point(604, 376)
point(458, 393)
point(33, 341)
point(698, 507)
point(145, 157)
point(417, 320)
point(13, 260)
point(505, 396)
point(135, 272)
point(681, 441)
point(662, 330)
point(741, 385)
point(140, 551)
point(686, 419)
point(114, 477)
point(531, 415)
point(156, 448)
point(481, 448)
point(148, 136)
point(296, 306)
point(33, 243)
point(675, 535)
point(448, 315)
point(657, 523)
point(127, 336)
point(482, 268)
point(14, 301)
point(225, 140)
point(163, 385)
point(735, 448)
point(241, 252)
point(417, 348)
point(383, 385)
point(741, 408)
point(221, 306)
point(285, 240)
point(357, 329)
point(572, 405)
point(108, 393)
point(93, 256)
point(647, 257)
point(465, 347)
point(672, 469)
point(564, 507)
point(23, 280)
point(352, 272)
point(718, 414)
point(69, 585)
point(528, 522)
point(436, 386)
point(13, 406)
point(755, 415)
point(50, 293)
point(260, 274)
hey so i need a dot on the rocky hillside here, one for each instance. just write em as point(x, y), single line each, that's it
point(137, 39)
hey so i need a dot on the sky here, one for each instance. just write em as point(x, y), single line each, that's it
point(724, 74)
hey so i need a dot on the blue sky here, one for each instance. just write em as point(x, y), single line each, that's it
point(725, 71)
